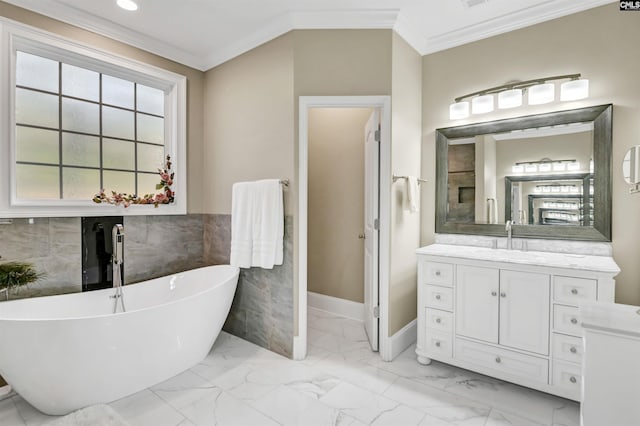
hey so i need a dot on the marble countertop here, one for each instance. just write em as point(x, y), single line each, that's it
point(557, 260)
point(611, 317)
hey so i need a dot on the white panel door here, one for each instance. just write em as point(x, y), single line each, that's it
point(524, 311)
point(477, 302)
point(371, 234)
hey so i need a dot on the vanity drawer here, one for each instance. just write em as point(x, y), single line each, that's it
point(574, 290)
point(566, 319)
point(439, 297)
point(439, 273)
point(439, 345)
point(514, 364)
point(567, 348)
point(439, 320)
point(567, 376)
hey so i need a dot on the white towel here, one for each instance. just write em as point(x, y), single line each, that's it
point(257, 224)
point(413, 194)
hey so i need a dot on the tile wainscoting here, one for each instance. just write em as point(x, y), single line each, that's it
point(262, 310)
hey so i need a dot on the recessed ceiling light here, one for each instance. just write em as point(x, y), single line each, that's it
point(127, 4)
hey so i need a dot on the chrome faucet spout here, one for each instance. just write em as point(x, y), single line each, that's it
point(508, 229)
point(117, 260)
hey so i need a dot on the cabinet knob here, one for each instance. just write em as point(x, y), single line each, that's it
point(503, 294)
point(438, 320)
point(574, 291)
point(494, 293)
point(438, 273)
point(574, 320)
point(573, 350)
point(438, 297)
point(498, 360)
point(438, 344)
point(572, 379)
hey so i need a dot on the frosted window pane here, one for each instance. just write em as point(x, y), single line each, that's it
point(38, 109)
point(80, 83)
point(118, 154)
point(117, 123)
point(150, 129)
point(80, 184)
point(150, 100)
point(80, 116)
point(80, 150)
point(37, 145)
point(116, 91)
point(119, 181)
point(147, 183)
point(36, 72)
point(150, 157)
point(37, 181)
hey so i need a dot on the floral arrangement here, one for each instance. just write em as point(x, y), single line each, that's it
point(164, 197)
point(16, 274)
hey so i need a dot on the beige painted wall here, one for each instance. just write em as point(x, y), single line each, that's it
point(248, 126)
point(406, 135)
point(195, 86)
point(598, 43)
point(336, 202)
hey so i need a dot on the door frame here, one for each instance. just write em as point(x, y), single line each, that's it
point(383, 103)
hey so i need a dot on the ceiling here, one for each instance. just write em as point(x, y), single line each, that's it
point(206, 33)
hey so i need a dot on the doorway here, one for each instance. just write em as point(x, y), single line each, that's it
point(343, 248)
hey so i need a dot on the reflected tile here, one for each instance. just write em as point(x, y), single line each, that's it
point(145, 408)
point(356, 402)
point(9, 414)
point(500, 418)
point(365, 376)
point(436, 374)
point(289, 407)
point(221, 409)
point(567, 415)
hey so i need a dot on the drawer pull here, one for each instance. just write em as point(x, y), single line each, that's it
point(574, 291)
point(438, 297)
point(574, 320)
point(437, 344)
point(503, 294)
point(498, 360)
point(438, 273)
point(438, 320)
point(494, 293)
point(573, 379)
point(573, 350)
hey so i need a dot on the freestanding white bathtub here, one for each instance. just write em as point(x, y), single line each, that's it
point(62, 353)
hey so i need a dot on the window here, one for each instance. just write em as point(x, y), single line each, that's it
point(81, 120)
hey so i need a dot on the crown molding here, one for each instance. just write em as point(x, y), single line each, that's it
point(104, 27)
point(547, 11)
point(410, 33)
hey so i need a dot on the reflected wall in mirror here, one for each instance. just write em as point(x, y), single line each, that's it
point(549, 173)
point(631, 165)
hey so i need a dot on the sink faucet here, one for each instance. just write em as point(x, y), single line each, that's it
point(508, 229)
point(117, 258)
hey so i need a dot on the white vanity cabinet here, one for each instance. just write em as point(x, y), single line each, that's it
point(509, 314)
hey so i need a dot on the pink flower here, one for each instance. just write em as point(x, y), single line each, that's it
point(160, 198)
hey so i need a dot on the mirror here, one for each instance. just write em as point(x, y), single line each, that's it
point(631, 166)
point(549, 173)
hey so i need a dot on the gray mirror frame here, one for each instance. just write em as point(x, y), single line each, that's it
point(601, 116)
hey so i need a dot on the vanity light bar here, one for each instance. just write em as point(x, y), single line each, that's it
point(545, 166)
point(539, 91)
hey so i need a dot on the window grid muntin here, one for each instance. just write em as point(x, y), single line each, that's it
point(100, 135)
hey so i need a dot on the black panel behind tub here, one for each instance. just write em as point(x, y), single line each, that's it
point(96, 252)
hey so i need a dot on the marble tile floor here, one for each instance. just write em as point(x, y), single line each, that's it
point(340, 383)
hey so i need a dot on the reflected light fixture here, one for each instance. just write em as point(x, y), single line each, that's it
point(127, 5)
point(539, 91)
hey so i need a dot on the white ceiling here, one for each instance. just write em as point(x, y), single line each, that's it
point(206, 33)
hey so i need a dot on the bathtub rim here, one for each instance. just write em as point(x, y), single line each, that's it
point(120, 314)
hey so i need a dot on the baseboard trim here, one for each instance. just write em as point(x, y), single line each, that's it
point(403, 339)
point(342, 307)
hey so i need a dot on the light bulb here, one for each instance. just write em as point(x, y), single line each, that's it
point(541, 94)
point(574, 90)
point(458, 110)
point(482, 104)
point(510, 98)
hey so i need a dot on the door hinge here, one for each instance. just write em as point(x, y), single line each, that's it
point(376, 311)
point(376, 135)
point(376, 224)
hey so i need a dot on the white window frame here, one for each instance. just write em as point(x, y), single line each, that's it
point(15, 36)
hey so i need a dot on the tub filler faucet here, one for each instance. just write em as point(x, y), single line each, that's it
point(117, 258)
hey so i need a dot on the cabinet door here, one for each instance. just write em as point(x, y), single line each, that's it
point(524, 311)
point(477, 302)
